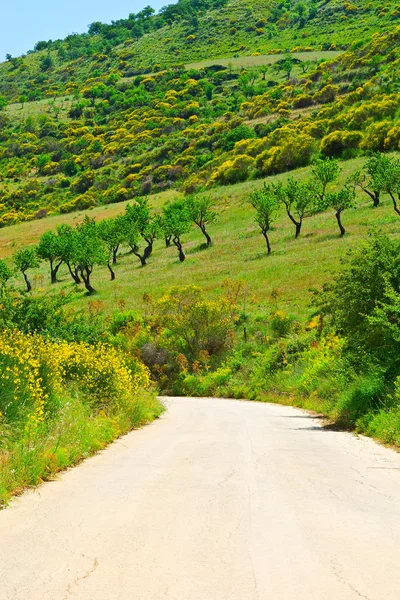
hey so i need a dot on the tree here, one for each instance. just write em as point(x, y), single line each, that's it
point(264, 70)
point(175, 224)
point(324, 171)
point(266, 204)
point(200, 212)
point(141, 222)
point(340, 201)
point(112, 232)
point(392, 182)
point(22, 100)
point(89, 251)
point(298, 200)
point(5, 274)
point(357, 292)
point(194, 323)
point(67, 240)
point(371, 179)
point(50, 248)
point(25, 259)
point(46, 62)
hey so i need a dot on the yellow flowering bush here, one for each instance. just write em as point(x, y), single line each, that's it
point(322, 360)
point(35, 372)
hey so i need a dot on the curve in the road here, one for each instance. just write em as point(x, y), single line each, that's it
point(219, 500)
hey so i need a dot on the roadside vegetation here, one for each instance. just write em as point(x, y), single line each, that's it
point(225, 227)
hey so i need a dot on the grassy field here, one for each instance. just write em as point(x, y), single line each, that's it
point(240, 62)
point(239, 251)
point(55, 107)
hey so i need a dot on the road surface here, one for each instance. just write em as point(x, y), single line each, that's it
point(218, 500)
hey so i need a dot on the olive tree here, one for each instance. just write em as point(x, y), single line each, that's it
point(200, 212)
point(266, 203)
point(142, 224)
point(299, 201)
point(340, 201)
point(24, 260)
point(176, 223)
point(68, 239)
point(112, 233)
point(89, 251)
point(324, 171)
point(372, 177)
point(50, 249)
point(5, 274)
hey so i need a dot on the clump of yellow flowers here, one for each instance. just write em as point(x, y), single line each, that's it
point(34, 371)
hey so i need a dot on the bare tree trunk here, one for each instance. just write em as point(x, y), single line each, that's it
point(168, 239)
point(112, 273)
point(28, 283)
point(206, 235)
point(338, 216)
point(74, 273)
point(86, 280)
point(375, 196)
point(297, 224)
point(396, 208)
point(115, 252)
point(265, 234)
point(54, 271)
point(142, 258)
point(149, 248)
point(178, 244)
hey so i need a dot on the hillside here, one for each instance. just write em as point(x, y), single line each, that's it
point(274, 129)
point(105, 133)
point(238, 252)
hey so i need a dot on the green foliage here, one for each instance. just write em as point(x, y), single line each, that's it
point(193, 324)
point(266, 203)
point(5, 273)
point(324, 172)
point(358, 298)
point(89, 250)
point(299, 201)
point(25, 259)
point(200, 210)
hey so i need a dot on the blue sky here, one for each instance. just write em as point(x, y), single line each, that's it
point(25, 22)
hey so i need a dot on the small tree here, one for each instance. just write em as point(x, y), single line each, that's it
point(50, 249)
point(324, 171)
point(371, 179)
point(5, 274)
point(89, 251)
point(26, 259)
point(340, 201)
point(200, 212)
point(392, 183)
point(112, 233)
point(298, 200)
point(141, 222)
point(175, 224)
point(67, 240)
point(266, 204)
point(23, 98)
point(195, 325)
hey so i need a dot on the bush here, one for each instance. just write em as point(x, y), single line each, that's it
point(337, 142)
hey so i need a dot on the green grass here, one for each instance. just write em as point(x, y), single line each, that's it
point(239, 251)
point(50, 106)
point(74, 435)
point(245, 62)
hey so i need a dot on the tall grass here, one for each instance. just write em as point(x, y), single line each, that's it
point(61, 402)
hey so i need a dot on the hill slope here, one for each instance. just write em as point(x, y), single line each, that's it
point(117, 138)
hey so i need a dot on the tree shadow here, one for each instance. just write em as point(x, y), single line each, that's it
point(199, 248)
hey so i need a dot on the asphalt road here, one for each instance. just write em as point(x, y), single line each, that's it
point(218, 500)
